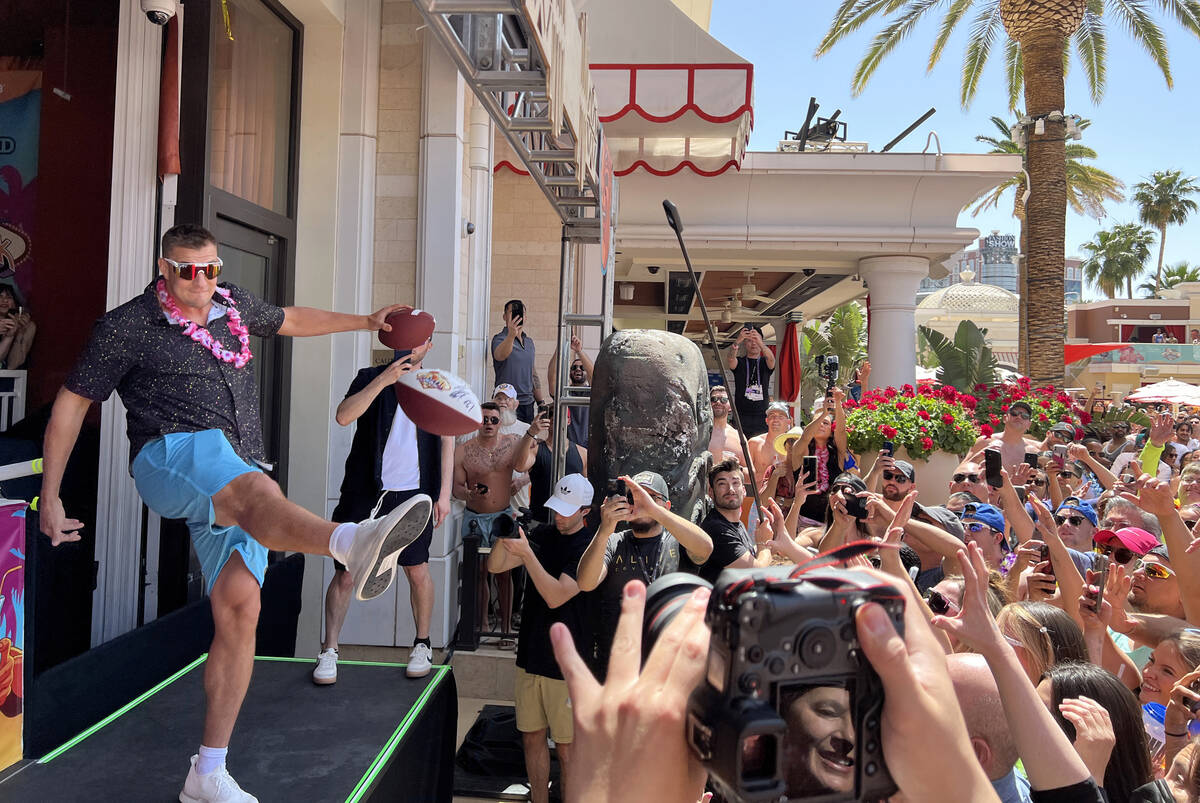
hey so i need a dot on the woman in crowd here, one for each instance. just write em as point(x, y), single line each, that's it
point(1174, 657)
point(1119, 759)
point(1042, 635)
point(824, 438)
point(1188, 490)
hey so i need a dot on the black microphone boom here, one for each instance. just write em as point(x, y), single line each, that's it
point(676, 224)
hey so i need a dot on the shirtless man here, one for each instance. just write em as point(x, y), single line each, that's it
point(483, 468)
point(762, 447)
point(724, 441)
point(1011, 442)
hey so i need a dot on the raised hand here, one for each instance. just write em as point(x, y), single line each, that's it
point(1162, 429)
point(378, 319)
point(576, 344)
point(1154, 496)
point(1094, 736)
point(973, 625)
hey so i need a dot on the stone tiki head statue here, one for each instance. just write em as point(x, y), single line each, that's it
point(650, 412)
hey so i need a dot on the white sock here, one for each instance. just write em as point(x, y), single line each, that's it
point(211, 759)
point(340, 541)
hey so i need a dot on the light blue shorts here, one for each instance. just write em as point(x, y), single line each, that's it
point(486, 522)
point(177, 475)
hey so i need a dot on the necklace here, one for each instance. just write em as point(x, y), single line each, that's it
point(201, 334)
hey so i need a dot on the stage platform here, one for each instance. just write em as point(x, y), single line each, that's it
point(374, 735)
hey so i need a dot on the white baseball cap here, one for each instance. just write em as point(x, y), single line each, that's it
point(570, 493)
point(507, 389)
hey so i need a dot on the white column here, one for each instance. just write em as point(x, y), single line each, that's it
point(892, 284)
point(439, 201)
point(130, 251)
point(479, 274)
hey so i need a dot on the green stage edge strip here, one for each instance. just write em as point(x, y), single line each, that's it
point(341, 662)
point(368, 778)
point(58, 751)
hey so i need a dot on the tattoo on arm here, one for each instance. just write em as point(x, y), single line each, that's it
point(537, 381)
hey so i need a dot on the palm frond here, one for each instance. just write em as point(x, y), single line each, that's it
point(1014, 72)
point(1135, 17)
point(983, 33)
point(1185, 12)
point(954, 15)
point(887, 39)
point(850, 16)
point(1092, 48)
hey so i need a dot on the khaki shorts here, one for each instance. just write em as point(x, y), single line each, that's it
point(542, 703)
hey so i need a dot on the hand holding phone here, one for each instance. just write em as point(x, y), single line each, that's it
point(809, 468)
point(1099, 573)
point(992, 467)
point(1059, 454)
point(888, 449)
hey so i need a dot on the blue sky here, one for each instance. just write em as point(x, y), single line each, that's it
point(1139, 126)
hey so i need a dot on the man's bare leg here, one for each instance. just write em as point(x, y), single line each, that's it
point(235, 601)
point(563, 751)
point(504, 590)
point(537, 765)
point(420, 594)
point(337, 603)
point(254, 502)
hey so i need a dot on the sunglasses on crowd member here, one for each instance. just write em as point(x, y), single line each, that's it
point(1019, 414)
point(976, 526)
point(719, 400)
point(894, 476)
point(966, 478)
point(1157, 571)
point(940, 604)
point(1037, 482)
point(1119, 554)
point(1075, 521)
point(491, 419)
point(188, 270)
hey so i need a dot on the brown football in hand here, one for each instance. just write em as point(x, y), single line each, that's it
point(409, 329)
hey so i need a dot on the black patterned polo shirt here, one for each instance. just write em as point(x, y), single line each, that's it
point(169, 382)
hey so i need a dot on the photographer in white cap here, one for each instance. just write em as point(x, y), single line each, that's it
point(550, 555)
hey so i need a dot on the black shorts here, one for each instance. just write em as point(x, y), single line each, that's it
point(418, 551)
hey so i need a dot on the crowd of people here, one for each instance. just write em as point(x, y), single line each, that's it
point(1025, 673)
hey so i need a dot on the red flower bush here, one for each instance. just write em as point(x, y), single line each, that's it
point(1052, 405)
point(921, 420)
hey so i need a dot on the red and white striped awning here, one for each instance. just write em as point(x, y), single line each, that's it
point(670, 96)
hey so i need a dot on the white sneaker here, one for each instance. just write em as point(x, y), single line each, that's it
point(420, 661)
point(378, 542)
point(326, 672)
point(216, 787)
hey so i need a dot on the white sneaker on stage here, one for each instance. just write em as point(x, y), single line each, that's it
point(378, 543)
point(326, 672)
point(216, 787)
point(420, 661)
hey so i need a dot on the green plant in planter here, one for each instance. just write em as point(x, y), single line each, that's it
point(922, 421)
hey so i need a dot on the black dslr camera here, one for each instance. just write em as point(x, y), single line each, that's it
point(506, 526)
point(790, 708)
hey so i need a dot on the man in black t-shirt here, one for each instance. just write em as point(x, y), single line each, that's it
point(550, 556)
point(657, 542)
point(733, 548)
point(751, 379)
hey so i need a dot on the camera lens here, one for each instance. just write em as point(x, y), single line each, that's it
point(503, 527)
point(664, 598)
point(817, 647)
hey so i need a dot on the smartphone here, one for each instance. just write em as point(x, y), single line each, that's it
point(480, 488)
point(1080, 467)
point(1100, 572)
point(991, 468)
point(619, 488)
point(1059, 454)
point(809, 469)
point(1031, 459)
point(517, 311)
point(1044, 560)
point(856, 506)
point(888, 449)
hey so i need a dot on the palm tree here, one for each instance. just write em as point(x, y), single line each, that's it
point(1088, 187)
point(1117, 256)
point(1175, 274)
point(1162, 201)
point(1038, 35)
point(965, 361)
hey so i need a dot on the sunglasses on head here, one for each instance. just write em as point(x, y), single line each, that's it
point(939, 603)
point(1157, 571)
point(896, 476)
point(1019, 414)
point(1075, 521)
point(188, 270)
point(491, 419)
point(966, 478)
point(1118, 553)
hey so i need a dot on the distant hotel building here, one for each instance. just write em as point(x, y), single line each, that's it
point(994, 262)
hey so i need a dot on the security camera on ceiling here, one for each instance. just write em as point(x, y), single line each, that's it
point(159, 12)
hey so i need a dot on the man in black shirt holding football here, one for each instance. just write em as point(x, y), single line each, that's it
point(550, 556)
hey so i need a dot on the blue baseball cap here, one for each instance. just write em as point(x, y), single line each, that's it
point(1085, 509)
point(986, 514)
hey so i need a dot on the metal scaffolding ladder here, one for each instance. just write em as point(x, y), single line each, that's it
point(573, 235)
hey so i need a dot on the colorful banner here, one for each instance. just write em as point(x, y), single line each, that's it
point(20, 117)
point(12, 630)
point(1132, 353)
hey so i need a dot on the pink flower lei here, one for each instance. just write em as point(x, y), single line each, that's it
point(201, 334)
